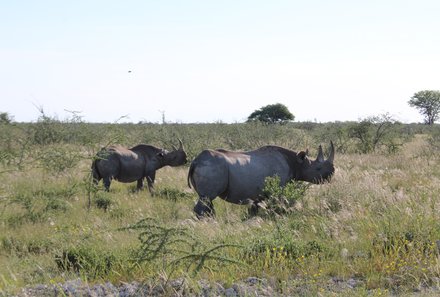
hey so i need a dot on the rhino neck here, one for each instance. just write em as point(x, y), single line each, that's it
point(157, 163)
point(150, 155)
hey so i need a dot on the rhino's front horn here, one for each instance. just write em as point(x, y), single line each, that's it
point(320, 157)
point(332, 153)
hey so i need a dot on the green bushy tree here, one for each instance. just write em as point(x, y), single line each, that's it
point(272, 113)
point(6, 118)
point(428, 104)
point(374, 132)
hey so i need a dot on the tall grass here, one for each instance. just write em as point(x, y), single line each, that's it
point(376, 222)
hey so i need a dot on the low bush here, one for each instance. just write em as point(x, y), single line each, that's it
point(173, 194)
point(13, 245)
point(86, 260)
point(280, 200)
point(103, 201)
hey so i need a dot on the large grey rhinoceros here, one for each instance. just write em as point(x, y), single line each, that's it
point(238, 177)
point(134, 164)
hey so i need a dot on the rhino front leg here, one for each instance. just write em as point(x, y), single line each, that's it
point(150, 181)
point(253, 209)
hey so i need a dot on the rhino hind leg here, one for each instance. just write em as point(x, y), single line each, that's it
point(95, 177)
point(204, 208)
point(209, 183)
point(140, 184)
point(107, 181)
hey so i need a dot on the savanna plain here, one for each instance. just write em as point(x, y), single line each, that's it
point(374, 230)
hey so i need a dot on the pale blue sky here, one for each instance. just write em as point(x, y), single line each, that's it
point(207, 61)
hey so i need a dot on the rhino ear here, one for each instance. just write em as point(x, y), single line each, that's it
point(301, 156)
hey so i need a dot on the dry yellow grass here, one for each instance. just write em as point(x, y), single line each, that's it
point(377, 221)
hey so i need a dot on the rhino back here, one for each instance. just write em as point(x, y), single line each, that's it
point(132, 168)
point(121, 164)
point(247, 172)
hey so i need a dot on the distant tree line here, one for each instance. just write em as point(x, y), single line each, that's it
point(426, 101)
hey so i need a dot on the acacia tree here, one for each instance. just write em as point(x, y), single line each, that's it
point(272, 113)
point(374, 132)
point(428, 104)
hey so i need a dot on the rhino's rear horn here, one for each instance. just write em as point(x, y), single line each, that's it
point(332, 153)
point(320, 157)
point(180, 145)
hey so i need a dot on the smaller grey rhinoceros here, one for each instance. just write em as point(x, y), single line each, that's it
point(238, 177)
point(134, 164)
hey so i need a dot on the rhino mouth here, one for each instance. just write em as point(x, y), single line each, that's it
point(322, 180)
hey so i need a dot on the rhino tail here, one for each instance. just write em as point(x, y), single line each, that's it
point(190, 173)
point(95, 172)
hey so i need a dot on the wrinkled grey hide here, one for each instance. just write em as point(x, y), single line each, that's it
point(134, 164)
point(238, 177)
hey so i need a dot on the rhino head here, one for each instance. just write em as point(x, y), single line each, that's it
point(176, 157)
point(316, 171)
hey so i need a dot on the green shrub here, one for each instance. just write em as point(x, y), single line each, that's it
point(434, 138)
point(58, 159)
point(47, 130)
point(86, 260)
point(103, 202)
point(292, 249)
point(173, 194)
point(374, 133)
point(35, 205)
point(280, 200)
point(24, 247)
point(56, 204)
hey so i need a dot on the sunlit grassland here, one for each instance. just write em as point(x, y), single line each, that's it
point(377, 221)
